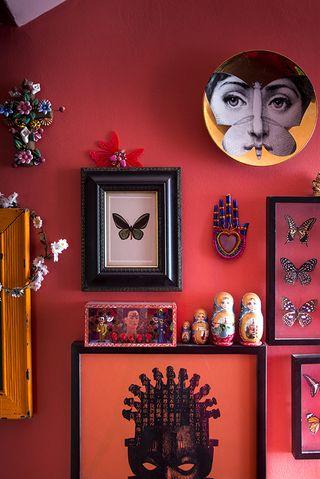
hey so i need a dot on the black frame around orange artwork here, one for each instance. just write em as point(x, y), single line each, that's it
point(103, 377)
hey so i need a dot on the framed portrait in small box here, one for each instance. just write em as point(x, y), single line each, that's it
point(130, 324)
point(306, 406)
point(131, 229)
point(293, 270)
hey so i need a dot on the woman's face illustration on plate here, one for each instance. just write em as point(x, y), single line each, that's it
point(255, 108)
point(258, 116)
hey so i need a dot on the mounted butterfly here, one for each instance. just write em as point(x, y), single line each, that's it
point(134, 231)
point(301, 315)
point(313, 422)
point(293, 274)
point(314, 384)
point(301, 232)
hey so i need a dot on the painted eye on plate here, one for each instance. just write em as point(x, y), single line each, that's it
point(280, 103)
point(234, 101)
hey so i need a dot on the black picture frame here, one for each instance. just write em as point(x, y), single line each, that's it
point(296, 334)
point(167, 274)
point(299, 423)
point(78, 350)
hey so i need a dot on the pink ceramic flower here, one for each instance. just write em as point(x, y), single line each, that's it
point(24, 157)
point(38, 134)
point(24, 107)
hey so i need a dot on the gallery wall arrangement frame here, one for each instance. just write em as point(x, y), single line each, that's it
point(131, 229)
point(15, 316)
point(305, 406)
point(116, 409)
point(293, 270)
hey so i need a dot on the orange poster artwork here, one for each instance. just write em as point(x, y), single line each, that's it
point(170, 414)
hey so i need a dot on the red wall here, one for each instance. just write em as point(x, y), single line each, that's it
point(140, 67)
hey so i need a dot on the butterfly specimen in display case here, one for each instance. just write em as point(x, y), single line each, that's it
point(314, 384)
point(313, 422)
point(134, 231)
point(293, 314)
point(292, 274)
point(302, 231)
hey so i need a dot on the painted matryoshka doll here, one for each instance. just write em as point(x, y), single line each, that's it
point(186, 332)
point(223, 319)
point(251, 320)
point(200, 327)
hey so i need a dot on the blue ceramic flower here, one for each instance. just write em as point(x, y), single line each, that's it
point(45, 107)
point(5, 110)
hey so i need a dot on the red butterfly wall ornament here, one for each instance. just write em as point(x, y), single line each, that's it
point(111, 154)
point(26, 117)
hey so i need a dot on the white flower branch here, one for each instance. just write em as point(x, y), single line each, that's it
point(51, 251)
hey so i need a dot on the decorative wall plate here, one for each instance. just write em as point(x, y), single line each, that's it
point(260, 108)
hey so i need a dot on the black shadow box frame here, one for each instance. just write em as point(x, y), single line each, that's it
point(167, 274)
point(299, 208)
point(302, 404)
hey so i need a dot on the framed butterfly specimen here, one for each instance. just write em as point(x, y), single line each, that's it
point(131, 229)
point(293, 274)
point(134, 231)
point(300, 314)
point(301, 232)
point(301, 274)
point(305, 370)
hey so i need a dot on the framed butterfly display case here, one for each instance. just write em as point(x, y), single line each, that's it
point(306, 406)
point(293, 272)
point(131, 229)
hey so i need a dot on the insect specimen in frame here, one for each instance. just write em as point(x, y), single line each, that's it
point(313, 422)
point(302, 231)
point(314, 384)
point(134, 231)
point(293, 314)
point(292, 274)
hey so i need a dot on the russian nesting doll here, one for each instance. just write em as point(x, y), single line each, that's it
point(223, 319)
point(186, 332)
point(200, 327)
point(251, 320)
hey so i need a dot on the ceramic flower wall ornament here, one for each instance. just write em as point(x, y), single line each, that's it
point(228, 235)
point(26, 117)
point(111, 154)
point(51, 251)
